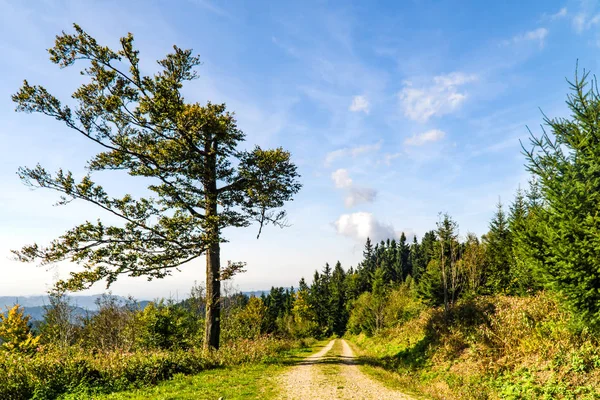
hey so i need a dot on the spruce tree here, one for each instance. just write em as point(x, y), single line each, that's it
point(406, 267)
point(339, 314)
point(566, 160)
point(499, 252)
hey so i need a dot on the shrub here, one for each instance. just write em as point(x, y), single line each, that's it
point(15, 332)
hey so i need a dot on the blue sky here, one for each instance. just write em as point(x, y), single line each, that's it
point(393, 111)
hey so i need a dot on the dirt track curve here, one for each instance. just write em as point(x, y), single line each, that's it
point(333, 373)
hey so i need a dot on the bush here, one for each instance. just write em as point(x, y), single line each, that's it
point(490, 347)
point(51, 372)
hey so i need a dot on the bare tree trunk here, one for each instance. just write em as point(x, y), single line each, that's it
point(212, 331)
point(444, 277)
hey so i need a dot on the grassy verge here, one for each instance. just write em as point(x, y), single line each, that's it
point(492, 348)
point(247, 381)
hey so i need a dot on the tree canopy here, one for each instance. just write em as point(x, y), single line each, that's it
point(201, 182)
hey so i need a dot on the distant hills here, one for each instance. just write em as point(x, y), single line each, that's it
point(84, 304)
point(34, 305)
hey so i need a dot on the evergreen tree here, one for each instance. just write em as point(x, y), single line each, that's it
point(527, 241)
point(442, 281)
point(566, 162)
point(406, 267)
point(366, 269)
point(338, 315)
point(416, 259)
point(499, 253)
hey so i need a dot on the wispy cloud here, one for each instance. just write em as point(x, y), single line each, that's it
point(584, 21)
point(442, 96)
point(537, 35)
point(210, 6)
point(430, 136)
point(563, 12)
point(388, 157)
point(359, 104)
point(362, 225)
point(351, 152)
point(355, 195)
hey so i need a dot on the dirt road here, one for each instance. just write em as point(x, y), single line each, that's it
point(333, 373)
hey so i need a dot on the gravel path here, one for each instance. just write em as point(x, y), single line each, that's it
point(333, 373)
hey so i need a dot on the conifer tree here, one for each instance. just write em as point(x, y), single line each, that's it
point(406, 267)
point(499, 252)
point(416, 259)
point(527, 242)
point(566, 161)
point(339, 314)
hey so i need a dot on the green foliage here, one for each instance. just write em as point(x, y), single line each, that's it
point(442, 281)
point(51, 373)
point(164, 325)
point(499, 253)
point(15, 332)
point(199, 180)
point(245, 322)
point(112, 327)
point(59, 327)
point(490, 347)
point(566, 161)
point(528, 241)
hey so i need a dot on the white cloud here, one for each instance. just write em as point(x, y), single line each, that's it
point(363, 225)
point(537, 35)
point(359, 103)
point(560, 14)
point(583, 21)
point(429, 136)
point(440, 98)
point(355, 195)
point(351, 152)
point(387, 158)
point(359, 195)
point(341, 178)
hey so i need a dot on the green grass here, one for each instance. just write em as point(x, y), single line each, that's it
point(248, 381)
point(244, 382)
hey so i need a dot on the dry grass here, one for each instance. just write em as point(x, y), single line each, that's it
point(495, 347)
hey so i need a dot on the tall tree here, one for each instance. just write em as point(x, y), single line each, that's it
point(499, 250)
point(339, 314)
point(526, 240)
point(566, 162)
point(201, 182)
point(416, 259)
point(406, 267)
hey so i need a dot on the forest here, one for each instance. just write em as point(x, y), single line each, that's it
point(512, 314)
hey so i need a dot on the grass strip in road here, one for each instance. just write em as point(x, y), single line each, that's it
point(390, 379)
point(330, 365)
